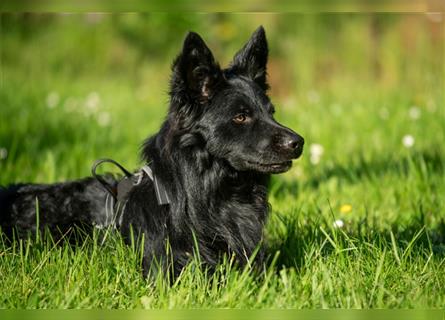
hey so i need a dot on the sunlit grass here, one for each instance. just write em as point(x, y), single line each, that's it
point(357, 222)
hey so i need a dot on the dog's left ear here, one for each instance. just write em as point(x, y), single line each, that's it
point(251, 60)
point(195, 71)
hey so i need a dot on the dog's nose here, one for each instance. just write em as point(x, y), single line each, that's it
point(293, 143)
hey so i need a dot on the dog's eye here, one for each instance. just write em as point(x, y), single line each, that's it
point(240, 118)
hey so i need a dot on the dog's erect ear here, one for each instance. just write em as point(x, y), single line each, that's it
point(195, 69)
point(251, 60)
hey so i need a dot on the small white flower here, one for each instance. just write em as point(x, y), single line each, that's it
point(3, 153)
point(414, 113)
point(92, 102)
point(316, 149)
point(52, 100)
point(314, 159)
point(104, 119)
point(408, 141)
point(338, 223)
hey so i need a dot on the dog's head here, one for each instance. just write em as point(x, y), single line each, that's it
point(227, 111)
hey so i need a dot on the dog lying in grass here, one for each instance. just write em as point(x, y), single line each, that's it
point(205, 189)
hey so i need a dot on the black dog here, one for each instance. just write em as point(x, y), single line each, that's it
point(210, 162)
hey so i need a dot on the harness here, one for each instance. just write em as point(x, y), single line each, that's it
point(117, 195)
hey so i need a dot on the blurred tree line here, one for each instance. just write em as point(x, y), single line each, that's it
point(307, 50)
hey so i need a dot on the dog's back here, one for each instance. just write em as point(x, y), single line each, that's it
point(57, 207)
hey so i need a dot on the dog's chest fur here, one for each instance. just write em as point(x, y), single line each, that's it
point(214, 209)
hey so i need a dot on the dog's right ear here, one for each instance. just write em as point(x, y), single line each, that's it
point(251, 60)
point(195, 71)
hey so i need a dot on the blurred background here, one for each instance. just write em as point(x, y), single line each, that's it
point(364, 89)
point(360, 215)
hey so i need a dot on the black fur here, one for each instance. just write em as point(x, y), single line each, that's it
point(214, 154)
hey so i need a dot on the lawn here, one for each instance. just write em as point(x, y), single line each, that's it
point(358, 222)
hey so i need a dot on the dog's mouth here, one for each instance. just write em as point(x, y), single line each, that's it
point(277, 167)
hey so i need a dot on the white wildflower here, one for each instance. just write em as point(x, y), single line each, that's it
point(3, 153)
point(52, 100)
point(316, 151)
point(408, 141)
point(414, 113)
point(92, 102)
point(338, 223)
point(314, 159)
point(103, 119)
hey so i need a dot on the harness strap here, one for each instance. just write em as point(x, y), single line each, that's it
point(161, 192)
point(111, 189)
point(117, 196)
point(120, 192)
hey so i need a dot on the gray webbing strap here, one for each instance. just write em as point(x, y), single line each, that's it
point(161, 193)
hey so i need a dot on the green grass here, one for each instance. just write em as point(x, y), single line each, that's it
point(72, 92)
